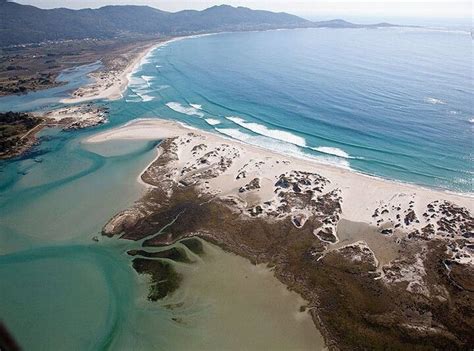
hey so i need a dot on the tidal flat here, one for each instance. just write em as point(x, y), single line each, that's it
point(394, 272)
point(54, 261)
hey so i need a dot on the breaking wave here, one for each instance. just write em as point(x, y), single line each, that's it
point(212, 121)
point(141, 87)
point(271, 133)
point(190, 111)
point(144, 95)
point(332, 151)
point(279, 146)
point(147, 79)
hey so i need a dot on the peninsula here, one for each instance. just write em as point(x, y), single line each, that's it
point(379, 262)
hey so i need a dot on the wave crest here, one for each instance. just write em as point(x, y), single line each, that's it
point(212, 121)
point(190, 111)
point(281, 147)
point(332, 151)
point(271, 133)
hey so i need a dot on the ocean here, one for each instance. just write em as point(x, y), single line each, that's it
point(394, 103)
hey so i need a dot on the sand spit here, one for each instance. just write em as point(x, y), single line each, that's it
point(362, 195)
point(381, 264)
point(110, 83)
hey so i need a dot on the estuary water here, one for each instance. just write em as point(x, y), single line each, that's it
point(395, 103)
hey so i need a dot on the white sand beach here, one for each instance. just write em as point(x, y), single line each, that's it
point(362, 195)
point(110, 84)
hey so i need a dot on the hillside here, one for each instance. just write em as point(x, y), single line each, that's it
point(22, 24)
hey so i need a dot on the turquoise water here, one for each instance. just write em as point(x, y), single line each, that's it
point(395, 103)
point(392, 103)
point(71, 78)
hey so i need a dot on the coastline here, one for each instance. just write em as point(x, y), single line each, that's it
point(363, 251)
point(111, 84)
point(156, 129)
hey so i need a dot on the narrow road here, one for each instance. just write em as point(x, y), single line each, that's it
point(33, 130)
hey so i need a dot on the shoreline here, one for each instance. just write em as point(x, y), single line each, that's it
point(364, 252)
point(115, 82)
point(110, 85)
point(116, 92)
point(132, 130)
point(303, 158)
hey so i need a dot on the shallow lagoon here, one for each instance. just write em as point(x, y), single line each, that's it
point(62, 290)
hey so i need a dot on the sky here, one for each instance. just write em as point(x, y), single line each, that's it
point(380, 9)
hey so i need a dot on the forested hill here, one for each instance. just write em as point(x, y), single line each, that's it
point(21, 24)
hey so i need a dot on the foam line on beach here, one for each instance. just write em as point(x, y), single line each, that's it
point(282, 147)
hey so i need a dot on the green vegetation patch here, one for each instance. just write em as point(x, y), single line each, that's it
point(164, 279)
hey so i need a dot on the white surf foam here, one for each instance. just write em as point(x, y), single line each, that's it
point(278, 146)
point(190, 111)
point(212, 121)
point(147, 79)
point(135, 81)
point(435, 101)
point(196, 106)
point(332, 151)
point(134, 100)
point(471, 121)
point(271, 133)
point(144, 95)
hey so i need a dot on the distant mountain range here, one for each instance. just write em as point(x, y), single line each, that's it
point(22, 24)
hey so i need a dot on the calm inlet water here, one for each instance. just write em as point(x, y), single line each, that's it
point(394, 103)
